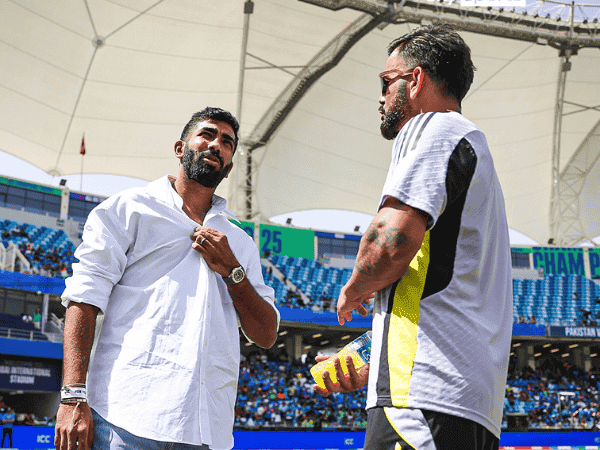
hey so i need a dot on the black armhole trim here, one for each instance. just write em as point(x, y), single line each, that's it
point(444, 236)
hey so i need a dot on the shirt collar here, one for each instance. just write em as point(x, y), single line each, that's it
point(163, 190)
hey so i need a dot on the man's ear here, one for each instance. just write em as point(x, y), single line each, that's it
point(179, 148)
point(417, 84)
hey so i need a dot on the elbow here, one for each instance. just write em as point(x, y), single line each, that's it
point(269, 344)
point(267, 340)
point(264, 336)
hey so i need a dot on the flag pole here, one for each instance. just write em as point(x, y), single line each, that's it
point(82, 153)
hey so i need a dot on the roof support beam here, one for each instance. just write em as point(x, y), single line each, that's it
point(325, 60)
point(533, 26)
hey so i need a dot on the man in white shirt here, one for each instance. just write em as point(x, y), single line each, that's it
point(175, 279)
point(437, 260)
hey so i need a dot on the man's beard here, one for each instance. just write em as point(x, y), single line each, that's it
point(394, 115)
point(198, 170)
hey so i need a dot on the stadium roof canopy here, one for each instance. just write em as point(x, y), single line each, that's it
point(129, 74)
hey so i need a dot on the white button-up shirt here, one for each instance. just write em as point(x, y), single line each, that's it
point(167, 357)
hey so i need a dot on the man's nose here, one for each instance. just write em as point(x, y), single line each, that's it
point(215, 146)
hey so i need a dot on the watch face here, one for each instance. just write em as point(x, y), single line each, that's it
point(237, 274)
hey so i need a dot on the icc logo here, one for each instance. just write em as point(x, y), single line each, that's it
point(349, 441)
point(43, 438)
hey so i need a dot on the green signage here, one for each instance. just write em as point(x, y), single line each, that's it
point(559, 260)
point(248, 227)
point(594, 254)
point(287, 241)
point(30, 186)
point(521, 249)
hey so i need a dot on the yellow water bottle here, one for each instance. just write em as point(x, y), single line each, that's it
point(360, 352)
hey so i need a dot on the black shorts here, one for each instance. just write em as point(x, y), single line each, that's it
point(420, 429)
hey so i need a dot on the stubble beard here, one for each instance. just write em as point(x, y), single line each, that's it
point(201, 172)
point(390, 125)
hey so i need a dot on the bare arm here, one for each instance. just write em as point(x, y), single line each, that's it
point(257, 316)
point(386, 250)
point(74, 422)
point(80, 324)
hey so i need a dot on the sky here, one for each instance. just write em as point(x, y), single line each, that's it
point(107, 185)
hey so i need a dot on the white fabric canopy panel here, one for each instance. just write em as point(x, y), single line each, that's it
point(129, 74)
point(336, 157)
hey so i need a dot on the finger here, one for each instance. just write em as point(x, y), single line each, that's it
point(86, 436)
point(341, 377)
point(329, 385)
point(64, 445)
point(62, 439)
point(212, 232)
point(83, 441)
point(341, 315)
point(352, 373)
point(362, 310)
point(344, 316)
point(91, 435)
point(198, 247)
point(72, 439)
point(56, 438)
point(320, 358)
point(319, 390)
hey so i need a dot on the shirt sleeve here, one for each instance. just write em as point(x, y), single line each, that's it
point(418, 178)
point(258, 282)
point(102, 259)
point(254, 273)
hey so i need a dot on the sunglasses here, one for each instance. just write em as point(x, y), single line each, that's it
point(385, 83)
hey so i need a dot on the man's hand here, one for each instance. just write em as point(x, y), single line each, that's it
point(74, 427)
point(258, 318)
point(354, 381)
point(350, 301)
point(215, 249)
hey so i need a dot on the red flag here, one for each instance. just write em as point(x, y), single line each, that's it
point(82, 149)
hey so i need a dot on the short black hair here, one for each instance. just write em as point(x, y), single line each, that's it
point(442, 53)
point(214, 114)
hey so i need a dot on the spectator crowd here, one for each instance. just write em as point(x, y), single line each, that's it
point(556, 396)
point(48, 262)
point(275, 394)
point(280, 394)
